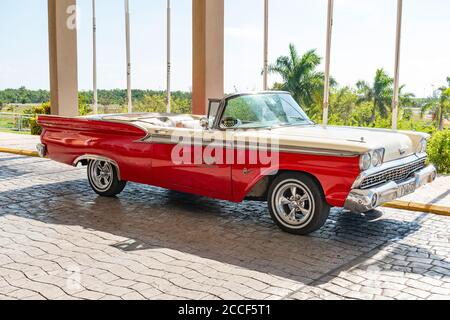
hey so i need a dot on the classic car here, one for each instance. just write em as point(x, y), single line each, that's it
point(257, 146)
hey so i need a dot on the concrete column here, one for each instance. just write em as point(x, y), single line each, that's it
point(62, 35)
point(208, 53)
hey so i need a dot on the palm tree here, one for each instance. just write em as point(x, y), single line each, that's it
point(406, 99)
point(379, 93)
point(439, 105)
point(444, 104)
point(301, 78)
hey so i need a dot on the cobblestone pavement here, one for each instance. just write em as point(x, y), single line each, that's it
point(58, 240)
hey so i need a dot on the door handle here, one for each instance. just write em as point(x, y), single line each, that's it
point(161, 131)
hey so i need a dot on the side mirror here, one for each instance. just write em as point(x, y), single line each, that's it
point(204, 123)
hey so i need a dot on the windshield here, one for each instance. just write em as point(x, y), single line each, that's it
point(262, 111)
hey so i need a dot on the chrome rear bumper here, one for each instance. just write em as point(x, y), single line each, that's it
point(42, 150)
point(360, 200)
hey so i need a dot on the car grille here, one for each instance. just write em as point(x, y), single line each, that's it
point(395, 174)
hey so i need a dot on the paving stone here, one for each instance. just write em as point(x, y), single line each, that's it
point(440, 291)
point(418, 293)
point(439, 297)
point(89, 295)
point(133, 296)
point(21, 294)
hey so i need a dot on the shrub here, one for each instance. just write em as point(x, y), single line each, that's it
point(36, 129)
point(439, 151)
point(83, 105)
point(156, 103)
point(41, 109)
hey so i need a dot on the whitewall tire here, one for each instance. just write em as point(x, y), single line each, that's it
point(297, 203)
point(104, 179)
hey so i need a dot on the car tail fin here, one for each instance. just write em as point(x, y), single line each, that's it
point(48, 122)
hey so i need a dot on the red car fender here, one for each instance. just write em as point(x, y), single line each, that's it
point(335, 175)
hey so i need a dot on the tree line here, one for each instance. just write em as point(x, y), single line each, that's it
point(105, 97)
point(366, 104)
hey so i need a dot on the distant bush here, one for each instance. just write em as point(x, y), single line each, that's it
point(36, 129)
point(417, 125)
point(83, 105)
point(156, 103)
point(439, 151)
point(44, 108)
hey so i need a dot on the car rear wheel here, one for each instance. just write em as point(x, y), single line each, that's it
point(297, 204)
point(104, 179)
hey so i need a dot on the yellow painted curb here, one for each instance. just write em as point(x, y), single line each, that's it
point(419, 207)
point(26, 153)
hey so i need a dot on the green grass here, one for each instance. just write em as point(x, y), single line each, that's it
point(7, 124)
point(14, 131)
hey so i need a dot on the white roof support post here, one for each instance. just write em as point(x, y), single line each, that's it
point(266, 45)
point(94, 58)
point(63, 62)
point(208, 34)
point(326, 91)
point(127, 35)
point(395, 100)
point(169, 48)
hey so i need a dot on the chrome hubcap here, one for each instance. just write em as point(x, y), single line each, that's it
point(102, 175)
point(294, 204)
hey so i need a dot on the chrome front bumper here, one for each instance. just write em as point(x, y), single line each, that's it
point(360, 201)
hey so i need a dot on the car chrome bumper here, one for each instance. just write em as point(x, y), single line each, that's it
point(42, 150)
point(360, 201)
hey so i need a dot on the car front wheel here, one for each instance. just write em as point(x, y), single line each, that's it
point(297, 204)
point(104, 179)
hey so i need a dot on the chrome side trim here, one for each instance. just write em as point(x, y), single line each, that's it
point(317, 151)
point(388, 166)
point(167, 139)
point(360, 201)
point(98, 158)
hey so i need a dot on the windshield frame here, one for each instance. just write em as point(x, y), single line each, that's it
point(226, 100)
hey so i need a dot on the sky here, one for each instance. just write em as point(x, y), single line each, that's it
point(363, 40)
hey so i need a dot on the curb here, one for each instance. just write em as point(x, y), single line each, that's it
point(26, 153)
point(419, 207)
point(402, 205)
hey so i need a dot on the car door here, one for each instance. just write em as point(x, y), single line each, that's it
point(188, 165)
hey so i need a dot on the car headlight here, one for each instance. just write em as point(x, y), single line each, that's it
point(422, 147)
point(371, 159)
point(377, 158)
point(365, 161)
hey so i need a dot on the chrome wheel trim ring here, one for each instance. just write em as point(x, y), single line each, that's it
point(102, 175)
point(293, 204)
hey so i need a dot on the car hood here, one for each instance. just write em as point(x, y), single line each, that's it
point(397, 144)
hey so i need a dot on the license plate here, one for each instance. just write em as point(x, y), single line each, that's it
point(406, 189)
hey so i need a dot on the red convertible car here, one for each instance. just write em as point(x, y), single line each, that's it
point(258, 146)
